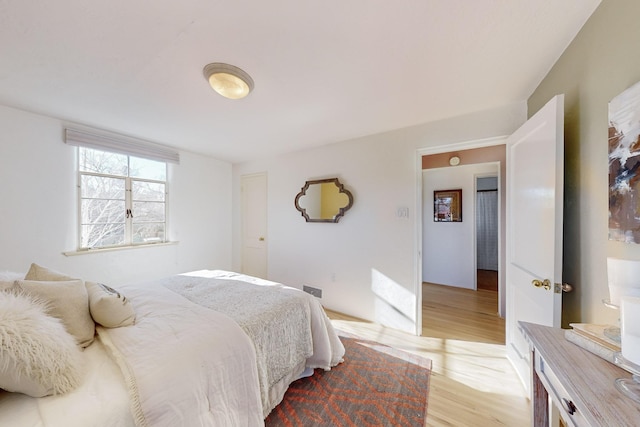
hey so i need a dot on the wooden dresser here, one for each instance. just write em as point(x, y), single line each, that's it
point(580, 383)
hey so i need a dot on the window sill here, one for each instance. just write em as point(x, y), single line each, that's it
point(118, 248)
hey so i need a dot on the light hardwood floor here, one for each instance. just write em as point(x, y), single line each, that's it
point(472, 383)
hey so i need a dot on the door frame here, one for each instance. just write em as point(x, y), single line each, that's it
point(467, 145)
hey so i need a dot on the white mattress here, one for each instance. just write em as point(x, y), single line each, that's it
point(101, 400)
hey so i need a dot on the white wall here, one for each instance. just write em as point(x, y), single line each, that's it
point(448, 256)
point(38, 209)
point(366, 264)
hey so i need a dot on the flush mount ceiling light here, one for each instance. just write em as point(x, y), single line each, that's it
point(229, 81)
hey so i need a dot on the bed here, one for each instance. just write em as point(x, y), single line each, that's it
point(206, 348)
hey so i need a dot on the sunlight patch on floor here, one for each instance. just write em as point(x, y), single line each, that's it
point(479, 366)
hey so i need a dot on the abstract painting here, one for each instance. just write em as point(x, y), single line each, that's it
point(624, 166)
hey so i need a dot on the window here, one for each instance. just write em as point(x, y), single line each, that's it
point(122, 199)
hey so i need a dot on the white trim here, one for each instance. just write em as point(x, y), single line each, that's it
point(113, 142)
point(117, 248)
point(466, 145)
point(418, 243)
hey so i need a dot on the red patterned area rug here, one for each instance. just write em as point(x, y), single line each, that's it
point(376, 385)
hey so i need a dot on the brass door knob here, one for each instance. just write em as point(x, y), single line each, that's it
point(546, 283)
point(261, 239)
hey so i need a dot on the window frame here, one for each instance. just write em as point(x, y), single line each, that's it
point(128, 199)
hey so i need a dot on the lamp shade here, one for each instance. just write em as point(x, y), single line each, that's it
point(630, 322)
point(624, 279)
point(228, 80)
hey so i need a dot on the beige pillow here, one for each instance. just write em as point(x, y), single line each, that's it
point(68, 301)
point(6, 285)
point(109, 307)
point(38, 357)
point(7, 279)
point(37, 272)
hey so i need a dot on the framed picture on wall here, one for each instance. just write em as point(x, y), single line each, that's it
point(447, 205)
point(624, 166)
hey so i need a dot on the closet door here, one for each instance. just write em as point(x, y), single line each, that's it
point(254, 224)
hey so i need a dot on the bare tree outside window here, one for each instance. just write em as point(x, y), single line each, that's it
point(122, 199)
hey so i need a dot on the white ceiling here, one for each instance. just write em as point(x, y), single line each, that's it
point(324, 71)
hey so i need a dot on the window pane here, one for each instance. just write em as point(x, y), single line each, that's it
point(147, 169)
point(110, 185)
point(148, 212)
point(97, 161)
point(100, 235)
point(148, 233)
point(147, 191)
point(98, 211)
point(99, 187)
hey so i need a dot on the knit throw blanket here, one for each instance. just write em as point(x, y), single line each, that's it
point(276, 318)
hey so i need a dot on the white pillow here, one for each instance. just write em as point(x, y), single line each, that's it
point(109, 307)
point(38, 357)
point(68, 301)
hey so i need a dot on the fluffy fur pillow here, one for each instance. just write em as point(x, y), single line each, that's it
point(68, 301)
point(109, 307)
point(38, 357)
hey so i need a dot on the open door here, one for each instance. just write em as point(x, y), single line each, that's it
point(535, 179)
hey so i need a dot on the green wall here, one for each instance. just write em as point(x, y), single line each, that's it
point(601, 62)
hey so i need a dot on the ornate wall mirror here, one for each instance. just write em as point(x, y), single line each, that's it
point(323, 200)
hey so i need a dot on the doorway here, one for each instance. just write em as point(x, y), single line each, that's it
point(489, 151)
point(454, 252)
point(487, 232)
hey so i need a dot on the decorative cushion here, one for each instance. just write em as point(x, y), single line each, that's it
point(68, 301)
point(109, 307)
point(38, 357)
point(37, 272)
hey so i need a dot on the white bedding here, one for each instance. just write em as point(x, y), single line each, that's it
point(185, 365)
point(181, 364)
point(101, 400)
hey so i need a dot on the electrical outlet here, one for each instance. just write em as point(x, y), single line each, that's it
point(316, 292)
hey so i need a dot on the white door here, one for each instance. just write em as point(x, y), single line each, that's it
point(535, 175)
point(254, 224)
